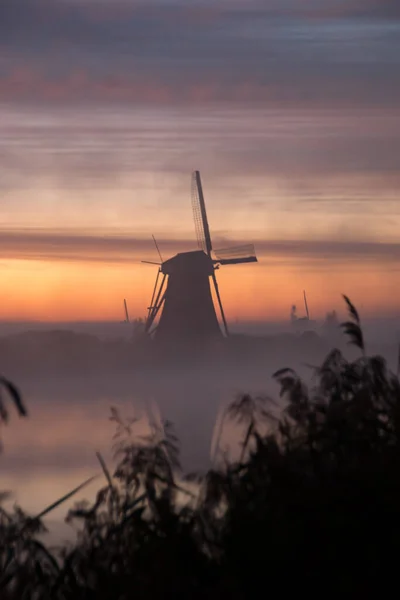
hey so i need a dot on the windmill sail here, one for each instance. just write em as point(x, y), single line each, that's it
point(236, 255)
point(200, 215)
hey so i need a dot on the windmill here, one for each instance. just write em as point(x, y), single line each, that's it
point(301, 322)
point(182, 291)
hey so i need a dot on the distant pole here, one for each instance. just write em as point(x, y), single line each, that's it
point(306, 305)
point(126, 312)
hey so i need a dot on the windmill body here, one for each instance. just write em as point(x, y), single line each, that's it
point(188, 310)
point(182, 296)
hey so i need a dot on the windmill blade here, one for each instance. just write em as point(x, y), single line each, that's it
point(157, 308)
point(236, 261)
point(236, 255)
point(150, 308)
point(200, 215)
point(220, 304)
point(154, 307)
point(154, 291)
point(158, 249)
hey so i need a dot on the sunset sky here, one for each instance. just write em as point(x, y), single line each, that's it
point(290, 109)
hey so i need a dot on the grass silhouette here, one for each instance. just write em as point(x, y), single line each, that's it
point(312, 503)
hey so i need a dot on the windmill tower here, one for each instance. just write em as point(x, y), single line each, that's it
point(182, 291)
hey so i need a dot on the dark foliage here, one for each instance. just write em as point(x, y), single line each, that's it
point(311, 505)
point(13, 394)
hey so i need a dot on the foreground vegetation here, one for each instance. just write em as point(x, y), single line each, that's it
point(311, 504)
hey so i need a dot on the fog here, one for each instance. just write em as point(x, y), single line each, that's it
point(69, 401)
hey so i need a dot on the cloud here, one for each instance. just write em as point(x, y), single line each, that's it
point(62, 245)
point(59, 245)
point(382, 9)
point(326, 155)
point(80, 86)
point(121, 100)
point(163, 53)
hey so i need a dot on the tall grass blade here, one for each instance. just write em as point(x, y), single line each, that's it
point(352, 309)
point(105, 470)
point(354, 333)
point(65, 498)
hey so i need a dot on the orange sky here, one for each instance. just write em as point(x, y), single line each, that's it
point(63, 291)
point(290, 113)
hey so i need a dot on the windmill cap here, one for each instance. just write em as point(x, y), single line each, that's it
point(196, 262)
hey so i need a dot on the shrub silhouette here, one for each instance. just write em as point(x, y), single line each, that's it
point(312, 502)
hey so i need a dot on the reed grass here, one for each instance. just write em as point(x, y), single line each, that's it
point(311, 505)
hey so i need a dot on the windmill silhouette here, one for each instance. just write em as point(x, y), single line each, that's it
point(182, 291)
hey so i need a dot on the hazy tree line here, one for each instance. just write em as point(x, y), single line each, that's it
point(310, 505)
